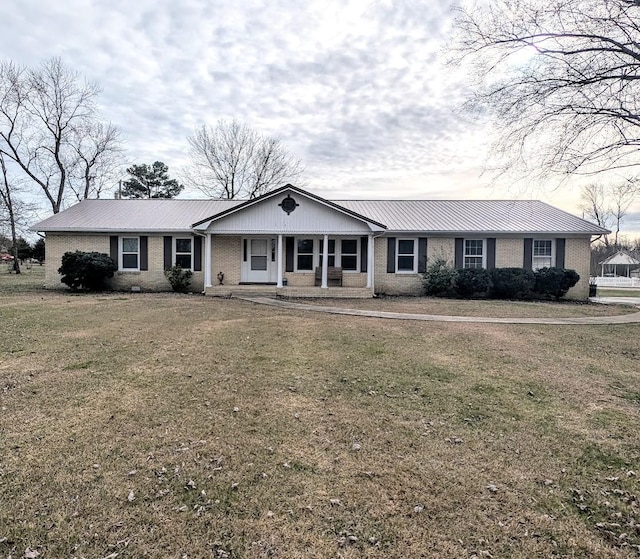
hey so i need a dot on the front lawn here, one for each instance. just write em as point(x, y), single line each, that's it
point(183, 426)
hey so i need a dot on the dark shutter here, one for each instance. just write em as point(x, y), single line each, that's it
point(197, 254)
point(527, 262)
point(391, 255)
point(560, 250)
point(491, 253)
point(459, 253)
point(113, 248)
point(289, 248)
point(364, 254)
point(168, 252)
point(244, 250)
point(144, 252)
point(422, 255)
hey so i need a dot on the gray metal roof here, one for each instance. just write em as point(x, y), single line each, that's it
point(472, 216)
point(133, 215)
point(436, 216)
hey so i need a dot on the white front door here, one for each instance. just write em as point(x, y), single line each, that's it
point(258, 258)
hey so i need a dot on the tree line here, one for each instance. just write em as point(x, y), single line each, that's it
point(57, 147)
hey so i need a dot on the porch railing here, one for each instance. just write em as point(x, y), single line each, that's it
point(601, 281)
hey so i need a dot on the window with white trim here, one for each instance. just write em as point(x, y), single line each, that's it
point(407, 255)
point(474, 253)
point(304, 255)
point(129, 253)
point(542, 254)
point(349, 255)
point(183, 251)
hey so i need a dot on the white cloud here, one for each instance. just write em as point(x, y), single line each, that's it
point(355, 88)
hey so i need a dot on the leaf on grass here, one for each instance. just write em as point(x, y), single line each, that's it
point(131, 497)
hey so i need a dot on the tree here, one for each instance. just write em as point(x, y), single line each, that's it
point(50, 130)
point(39, 250)
point(608, 205)
point(561, 80)
point(8, 207)
point(150, 181)
point(230, 160)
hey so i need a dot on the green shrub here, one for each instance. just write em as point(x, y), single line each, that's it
point(440, 279)
point(473, 281)
point(179, 278)
point(554, 282)
point(86, 270)
point(511, 283)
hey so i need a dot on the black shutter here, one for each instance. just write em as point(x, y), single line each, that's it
point(289, 248)
point(197, 254)
point(144, 252)
point(560, 251)
point(527, 263)
point(364, 247)
point(113, 248)
point(168, 252)
point(459, 253)
point(244, 250)
point(391, 255)
point(422, 255)
point(491, 253)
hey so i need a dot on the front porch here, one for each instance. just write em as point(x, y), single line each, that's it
point(289, 291)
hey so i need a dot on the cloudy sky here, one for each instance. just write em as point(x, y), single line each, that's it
point(356, 89)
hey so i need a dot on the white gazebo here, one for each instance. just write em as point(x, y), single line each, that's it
point(619, 264)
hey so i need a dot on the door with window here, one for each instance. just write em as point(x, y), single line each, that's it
point(260, 260)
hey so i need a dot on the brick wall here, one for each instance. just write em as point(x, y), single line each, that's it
point(149, 280)
point(577, 257)
point(226, 257)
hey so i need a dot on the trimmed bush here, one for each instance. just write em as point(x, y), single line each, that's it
point(86, 270)
point(511, 283)
point(440, 279)
point(179, 278)
point(473, 282)
point(555, 282)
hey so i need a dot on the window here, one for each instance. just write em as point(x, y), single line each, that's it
point(349, 254)
point(305, 254)
point(474, 253)
point(542, 254)
point(406, 255)
point(183, 252)
point(129, 253)
point(332, 252)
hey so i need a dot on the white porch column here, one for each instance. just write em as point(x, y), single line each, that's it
point(370, 260)
point(207, 261)
point(325, 261)
point(279, 261)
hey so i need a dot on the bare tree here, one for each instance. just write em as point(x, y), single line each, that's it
point(14, 213)
point(622, 196)
point(561, 80)
point(608, 205)
point(98, 151)
point(46, 114)
point(230, 160)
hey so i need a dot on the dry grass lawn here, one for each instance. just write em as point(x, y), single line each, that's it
point(182, 426)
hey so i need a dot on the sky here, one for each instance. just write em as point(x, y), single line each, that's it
point(357, 90)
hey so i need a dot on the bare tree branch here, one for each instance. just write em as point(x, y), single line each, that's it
point(561, 80)
point(232, 161)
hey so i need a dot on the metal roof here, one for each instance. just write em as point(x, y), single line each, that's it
point(435, 216)
point(622, 258)
point(133, 215)
point(472, 216)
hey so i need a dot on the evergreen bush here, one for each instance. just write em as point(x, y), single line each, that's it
point(554, 282)
point(440, 279)
point(473, 282)
point(86, 270)
point(179, 278)
point(511, 283)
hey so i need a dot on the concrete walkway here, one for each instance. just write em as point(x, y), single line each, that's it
point(632, 318)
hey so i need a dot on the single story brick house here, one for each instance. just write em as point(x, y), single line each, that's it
point(293, 243)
